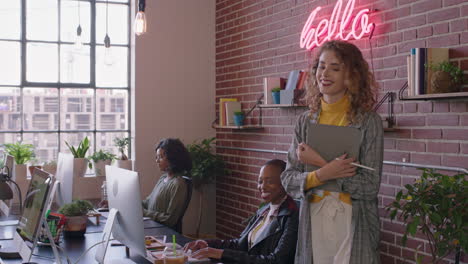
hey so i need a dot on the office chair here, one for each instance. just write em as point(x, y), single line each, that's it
point(188, 182)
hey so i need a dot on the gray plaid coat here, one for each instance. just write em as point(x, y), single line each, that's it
point(363, 187)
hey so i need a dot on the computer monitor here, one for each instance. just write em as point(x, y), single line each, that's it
point(35, 204)
point(125, 220)
point(64, 175)
point(8, 170)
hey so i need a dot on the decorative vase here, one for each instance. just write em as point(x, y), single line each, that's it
point(75, 226)
point(238, 120)
point(80, 165)
point(442, 82)
point(125, 164)
point(276, 97)
point(100, 167)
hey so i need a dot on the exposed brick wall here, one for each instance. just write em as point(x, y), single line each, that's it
point(260, 38)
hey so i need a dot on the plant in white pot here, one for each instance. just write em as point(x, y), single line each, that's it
point(76, 214)
point(99, 160)
point(22, 153)
point(79, 153)
point(122, 144)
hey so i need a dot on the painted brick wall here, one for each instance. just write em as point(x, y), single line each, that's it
point(260, 38)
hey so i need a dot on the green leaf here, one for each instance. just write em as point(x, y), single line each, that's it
point(413, 226)
point(435, 218)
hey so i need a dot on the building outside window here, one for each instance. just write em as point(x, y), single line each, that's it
point(54, 88)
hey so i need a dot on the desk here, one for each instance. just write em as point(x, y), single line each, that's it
point(75, 247)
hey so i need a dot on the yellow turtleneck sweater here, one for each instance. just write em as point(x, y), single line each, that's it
point(332, 114)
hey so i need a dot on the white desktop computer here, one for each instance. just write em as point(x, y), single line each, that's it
point(64, 175)
point(125, 221)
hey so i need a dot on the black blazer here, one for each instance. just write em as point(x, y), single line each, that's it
point(276, 245)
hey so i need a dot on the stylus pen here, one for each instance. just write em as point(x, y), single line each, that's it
point(362, 166)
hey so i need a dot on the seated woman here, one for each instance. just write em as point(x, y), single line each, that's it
point(165, 204)
point(270, 236)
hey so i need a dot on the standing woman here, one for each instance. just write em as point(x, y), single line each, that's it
point(165, 204)
point(339, 221)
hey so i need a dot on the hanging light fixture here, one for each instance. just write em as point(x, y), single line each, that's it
point(78, 40)
point(108, 57)
point(140, 19)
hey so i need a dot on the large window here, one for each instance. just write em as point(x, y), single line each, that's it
point(52, 89)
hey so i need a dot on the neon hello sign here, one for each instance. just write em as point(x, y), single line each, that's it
point(333, 28)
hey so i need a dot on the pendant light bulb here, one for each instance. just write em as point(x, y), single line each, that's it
point(140, 23)
point(79, 39)
point(108, 56)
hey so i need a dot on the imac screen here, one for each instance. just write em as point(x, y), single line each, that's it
point(34, 204)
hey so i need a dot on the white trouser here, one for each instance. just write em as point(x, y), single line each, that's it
point(332, 231)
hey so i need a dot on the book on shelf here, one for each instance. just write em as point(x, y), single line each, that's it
point(231, 107)
point(268, 84)
point(409, 70)
point(419, 74)
point(222, 111)
point(292, 80)
point(302, 80)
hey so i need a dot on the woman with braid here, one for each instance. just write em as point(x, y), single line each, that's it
point(339, 221)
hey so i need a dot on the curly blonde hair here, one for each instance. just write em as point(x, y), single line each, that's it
point(360, 81)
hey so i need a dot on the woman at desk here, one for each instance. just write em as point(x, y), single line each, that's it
point(339, 220)
point(165, 204)
point(270, 236)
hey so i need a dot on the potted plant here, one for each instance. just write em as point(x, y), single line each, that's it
point(80, 163)
point(238, 118)
point(435, 205)
point(22, 154)
point(275, 93)
point(447, 78)
point(206, 165)
point(100, 159)
point(122, 144)
point(76, 217)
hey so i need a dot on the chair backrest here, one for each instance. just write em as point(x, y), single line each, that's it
point(188, 182)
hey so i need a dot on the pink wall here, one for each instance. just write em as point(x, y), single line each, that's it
point(255, 39)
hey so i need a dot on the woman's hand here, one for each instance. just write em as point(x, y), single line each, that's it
point(208, 252)
point(338, 168)
point(308, 155)
point(195, 245)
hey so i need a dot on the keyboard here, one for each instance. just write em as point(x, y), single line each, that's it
point(9, 253)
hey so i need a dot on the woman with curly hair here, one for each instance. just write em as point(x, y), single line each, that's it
point(339, 221)
point(165, 204)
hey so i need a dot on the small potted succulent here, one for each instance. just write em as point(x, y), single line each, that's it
point(76, 217)
point(447, 78)
point(275, 93)
point(100, 159)
point(79, 153)
point(122, 144)
point(238, 118)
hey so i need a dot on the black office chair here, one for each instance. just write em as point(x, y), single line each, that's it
point(188, 182)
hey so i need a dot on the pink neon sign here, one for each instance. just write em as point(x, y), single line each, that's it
point(327, 28)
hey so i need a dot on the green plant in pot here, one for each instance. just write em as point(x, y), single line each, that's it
point(275, 93)
point(79, 153)
point(23, 153)
point(76, 217)
point(447, 78)
point(238, 118)
point(206, 166)
point(100, 159)
point(436, 206)
point(122, 144)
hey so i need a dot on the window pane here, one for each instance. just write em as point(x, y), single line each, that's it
point(40, 109)
point(42, 20)
point(9, 138)
point(10, 13)
point(42, 62)
point(114, 74)
point(46, 145)
point(69, 20)
point(105, 141)
point(117, 23)
point(74, 64)
point(10, 109)
point(77, 106)
point(10, 62)
point(114, 116)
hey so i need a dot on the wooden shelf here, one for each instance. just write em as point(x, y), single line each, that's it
point(246, 127)
point(436, 96)
point(280, 105)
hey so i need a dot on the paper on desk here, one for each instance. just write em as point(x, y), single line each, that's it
point(9, 223)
